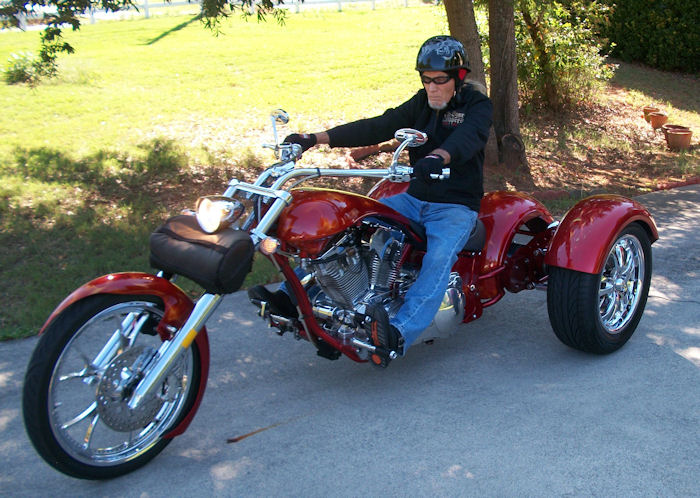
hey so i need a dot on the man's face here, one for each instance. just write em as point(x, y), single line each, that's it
point(440, 87)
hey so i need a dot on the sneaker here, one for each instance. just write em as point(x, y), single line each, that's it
point(383, 335)
point(279, 302)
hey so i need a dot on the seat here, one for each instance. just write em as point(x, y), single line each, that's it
point(475, 242)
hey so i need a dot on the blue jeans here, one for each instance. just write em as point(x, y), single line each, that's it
point(447, 229)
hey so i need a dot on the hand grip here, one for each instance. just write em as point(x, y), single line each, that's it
point(444, 176)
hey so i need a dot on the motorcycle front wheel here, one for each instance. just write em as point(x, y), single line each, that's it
point(598, 313)
point(79, 381)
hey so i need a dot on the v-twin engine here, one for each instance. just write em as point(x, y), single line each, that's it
point(356, 271)
point(364, 267)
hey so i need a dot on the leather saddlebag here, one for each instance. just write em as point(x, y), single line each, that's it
point(218, 262)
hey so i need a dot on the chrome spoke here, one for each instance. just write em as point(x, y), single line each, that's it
point(607, 289)
point(90, 431)
point(609, 311)
point(80, 417)
point(629, 266)
point(84, 373)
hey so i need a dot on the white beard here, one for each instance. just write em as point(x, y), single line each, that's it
point(438, 106)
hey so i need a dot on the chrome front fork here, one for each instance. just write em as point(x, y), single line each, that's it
point(170, 350)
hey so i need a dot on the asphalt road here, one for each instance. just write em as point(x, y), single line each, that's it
point(501, 409)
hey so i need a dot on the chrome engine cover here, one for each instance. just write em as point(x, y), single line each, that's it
point(450, 314)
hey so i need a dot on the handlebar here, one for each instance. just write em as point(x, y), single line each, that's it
point(403, 173)
point(443, 176)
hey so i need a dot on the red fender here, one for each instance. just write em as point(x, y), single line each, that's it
point(586, 234)
point(503, 213)
point(177, 308)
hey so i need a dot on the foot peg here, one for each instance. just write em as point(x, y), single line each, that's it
point(386, 353)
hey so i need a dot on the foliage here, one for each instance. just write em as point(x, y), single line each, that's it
point(559, 60)
point(20, 69)
point(663, 34)
point(25, 68)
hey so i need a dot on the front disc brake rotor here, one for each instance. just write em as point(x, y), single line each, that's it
point(114, 392)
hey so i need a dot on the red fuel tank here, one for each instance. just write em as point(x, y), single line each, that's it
point(316, 215)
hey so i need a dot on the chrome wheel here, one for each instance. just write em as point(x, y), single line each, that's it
point(82, 375)
point(621, 284)
point(599, 312)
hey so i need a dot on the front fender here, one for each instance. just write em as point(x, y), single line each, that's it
point(586, 234)
point(177, 308)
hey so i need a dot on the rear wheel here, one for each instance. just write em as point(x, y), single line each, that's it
point(79, 381)
point(599, 313)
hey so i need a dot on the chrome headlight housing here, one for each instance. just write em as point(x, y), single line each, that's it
point(215, 212)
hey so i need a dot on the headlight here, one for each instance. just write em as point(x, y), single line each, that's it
point(217, 212)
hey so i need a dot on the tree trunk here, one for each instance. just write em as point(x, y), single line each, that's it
point(504, 83)
point(462, 22)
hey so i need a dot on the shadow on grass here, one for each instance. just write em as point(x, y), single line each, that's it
point(64, 221)
point(680, 90)
point(174, 30)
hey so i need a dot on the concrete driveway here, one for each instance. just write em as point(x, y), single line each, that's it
point(500, 409)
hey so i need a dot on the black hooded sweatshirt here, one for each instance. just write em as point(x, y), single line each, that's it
point(462, 129)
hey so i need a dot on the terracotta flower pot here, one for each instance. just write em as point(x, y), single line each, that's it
point(667, 127)
point(656, 119)
point(649, 109)
point(678, 139)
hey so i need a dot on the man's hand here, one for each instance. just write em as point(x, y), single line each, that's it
point(306, 141)
point(430, 165)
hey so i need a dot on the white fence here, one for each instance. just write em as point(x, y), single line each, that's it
point(144, 9)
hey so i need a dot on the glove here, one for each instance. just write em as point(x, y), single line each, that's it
point(430, 164)
point(306, 141)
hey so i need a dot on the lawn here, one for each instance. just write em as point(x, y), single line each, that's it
point(149, 114)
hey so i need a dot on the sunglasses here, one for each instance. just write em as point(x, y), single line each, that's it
point(438, 80)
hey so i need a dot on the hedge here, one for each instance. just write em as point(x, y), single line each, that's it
point(663, 34)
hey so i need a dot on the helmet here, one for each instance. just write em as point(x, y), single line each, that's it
point(442, 53)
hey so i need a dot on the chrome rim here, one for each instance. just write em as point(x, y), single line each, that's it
point(621, 284)
point(90, 384)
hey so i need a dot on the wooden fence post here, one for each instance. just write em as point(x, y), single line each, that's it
point(146, 14)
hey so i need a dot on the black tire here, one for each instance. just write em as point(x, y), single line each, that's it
point(582, 306)
point(56, 389)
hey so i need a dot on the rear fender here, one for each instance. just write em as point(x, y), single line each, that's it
point(503, 213)
point(586, 234)
point(177, 308)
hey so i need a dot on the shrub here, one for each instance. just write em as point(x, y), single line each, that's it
point(21, 68)
point(559, 59)
point(663, 34)
point(25, 68)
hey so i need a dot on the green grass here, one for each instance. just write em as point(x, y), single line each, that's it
point(149, 114)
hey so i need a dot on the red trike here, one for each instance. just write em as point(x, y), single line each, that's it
point(123, 361)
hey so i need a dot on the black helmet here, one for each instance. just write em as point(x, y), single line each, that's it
point(442, 53)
